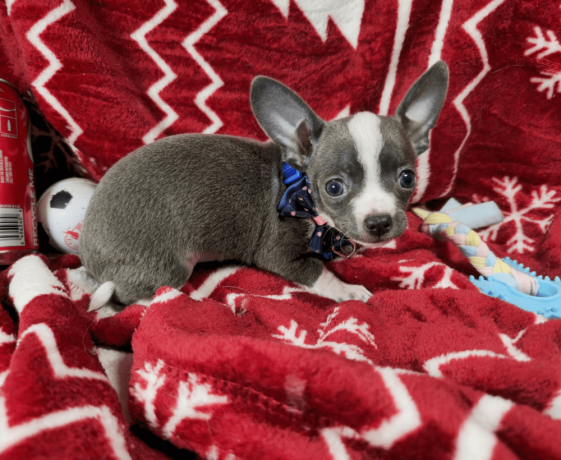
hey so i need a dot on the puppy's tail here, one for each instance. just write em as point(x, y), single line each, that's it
point(102, 295)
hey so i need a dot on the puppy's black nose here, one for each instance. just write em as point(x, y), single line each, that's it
point(378, 225)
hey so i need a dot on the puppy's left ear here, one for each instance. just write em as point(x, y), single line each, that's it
point(419, 109)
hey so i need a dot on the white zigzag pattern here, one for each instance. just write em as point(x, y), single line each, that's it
point(31, 278)
point(61, 370)
point(54, 65)
point(470, 26)
point(12, 435)
point(189, 44)
point(423, 161)
point(153, 92)
point(6, 338)
point(3, 376)
point(212, 282)
point(403, 422)
point(403, 14)
point(476, 439)
point(553, 407)
point(346, 15)
point(166, 296)
point(9, 4)
point(406, 420)
point(286, 295)
point(432, 365)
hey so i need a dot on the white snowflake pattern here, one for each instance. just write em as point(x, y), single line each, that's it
point(542, 199)
point(350, 325)
point(545, 45)
point(191, 396)
point(154, 379)
point(415, 276)
point(404, 421)
point(541, 43)
point(548, 83)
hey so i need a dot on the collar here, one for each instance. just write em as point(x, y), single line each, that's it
point(297, 202)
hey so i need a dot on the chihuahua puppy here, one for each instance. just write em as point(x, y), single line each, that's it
point(195, 197)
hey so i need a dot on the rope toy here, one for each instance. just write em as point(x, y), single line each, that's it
point(442, 227)
point(502, 278)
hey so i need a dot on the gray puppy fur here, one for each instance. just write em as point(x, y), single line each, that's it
point(195, 197)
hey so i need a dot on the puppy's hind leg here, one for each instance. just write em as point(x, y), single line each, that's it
point(136, 282)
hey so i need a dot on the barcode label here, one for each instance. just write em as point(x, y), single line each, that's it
point(11, 227)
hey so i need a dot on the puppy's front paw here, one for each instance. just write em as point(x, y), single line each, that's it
point(352, 292)
point(328, 285)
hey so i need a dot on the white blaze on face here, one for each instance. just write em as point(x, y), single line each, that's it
point(373, 199)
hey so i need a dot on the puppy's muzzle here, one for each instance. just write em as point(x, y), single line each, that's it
point(378, 225)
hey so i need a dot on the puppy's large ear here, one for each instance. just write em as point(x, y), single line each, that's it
point(286, 119)
point(422, 104)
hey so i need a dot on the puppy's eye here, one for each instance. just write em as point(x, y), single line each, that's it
point(335, 188)
point(407, 179)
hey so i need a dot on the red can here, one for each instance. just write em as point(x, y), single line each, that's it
point(18, 199)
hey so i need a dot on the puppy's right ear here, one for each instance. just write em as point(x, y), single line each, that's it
point(286, 119)
point(422, 104)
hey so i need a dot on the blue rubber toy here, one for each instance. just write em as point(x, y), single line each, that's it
point(546, 303)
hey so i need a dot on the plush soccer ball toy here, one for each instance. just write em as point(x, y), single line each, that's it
point(62, 209)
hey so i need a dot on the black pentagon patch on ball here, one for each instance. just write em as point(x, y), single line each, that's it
point(61, 200)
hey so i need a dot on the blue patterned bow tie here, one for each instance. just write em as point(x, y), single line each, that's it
point(297, 202)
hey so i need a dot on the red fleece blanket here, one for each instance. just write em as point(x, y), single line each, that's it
point(240, 363)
